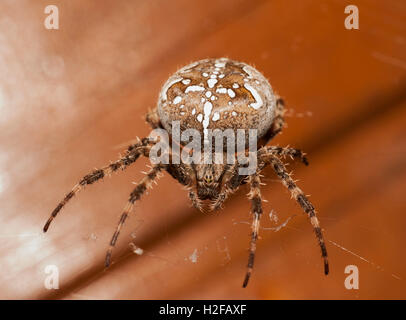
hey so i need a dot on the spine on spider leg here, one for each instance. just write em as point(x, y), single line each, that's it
point(279, 120)
point(196, 202)
point(256, 203)
point(60, 205)
point(293, 153)
point(230, 185)
point(133, 153)
point(309, 209)
point(306, 205)
point(135, 195)
point(284, 152)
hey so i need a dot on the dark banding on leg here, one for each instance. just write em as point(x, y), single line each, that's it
point(132, 154)
point(256, 208)
point(303, 201)
point(283, 152)
point(135, 195)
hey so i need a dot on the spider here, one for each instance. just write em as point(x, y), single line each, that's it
point(213, 94)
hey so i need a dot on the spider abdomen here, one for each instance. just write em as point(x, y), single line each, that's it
point(217, 94)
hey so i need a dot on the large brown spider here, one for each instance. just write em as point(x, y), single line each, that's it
point(213, 94)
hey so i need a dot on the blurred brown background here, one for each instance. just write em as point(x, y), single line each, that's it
point(72, 99)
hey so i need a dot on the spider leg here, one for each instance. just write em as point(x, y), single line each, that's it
point(284, 152)
point(185, 174)
point(231, 181)
point(303, 201)
point(256, 208)
point(196, 202)
point(181, 172)
point(135, 195)
point(152, 119)
point(132, 154)
point(279, 121)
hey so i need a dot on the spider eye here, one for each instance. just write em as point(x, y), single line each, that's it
point(208, 179)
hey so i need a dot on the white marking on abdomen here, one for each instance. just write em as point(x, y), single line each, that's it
point(207, 108)
point(220, 64)
point(258, 100)
point(231, 93)
point(167, 86)
point(211, 82)
point(177, 100)
point(194, 88)
point(248, 71)
point(221, 90)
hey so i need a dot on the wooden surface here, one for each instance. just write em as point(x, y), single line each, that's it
point(72, 99)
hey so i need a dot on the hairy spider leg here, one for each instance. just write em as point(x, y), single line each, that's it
point(135, 195)
point(303, 201)
point(152, 119)
point(232, 180)
point(132, 154)
point(284, 152)
point(256, 209)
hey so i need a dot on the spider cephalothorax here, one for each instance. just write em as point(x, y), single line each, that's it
point(212, 97)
